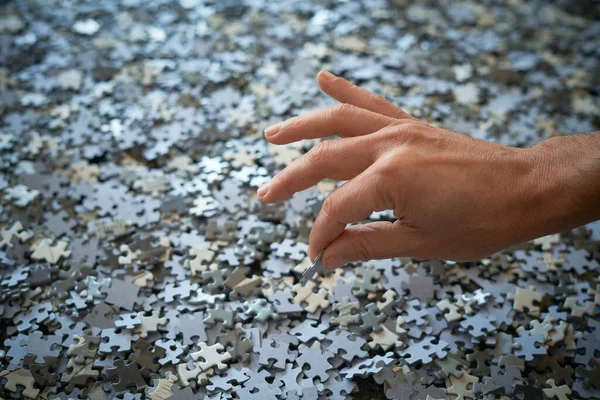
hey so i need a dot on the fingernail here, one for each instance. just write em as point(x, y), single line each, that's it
point(273, 129)
point(334, 262)
point(328, 74)
point(263, 190)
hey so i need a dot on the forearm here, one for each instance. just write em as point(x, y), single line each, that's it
point(568, 174)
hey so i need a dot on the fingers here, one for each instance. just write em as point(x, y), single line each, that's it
point(353, 201)
point(345, 92)
point(340, 159)
point(343, 120)
point(372, 241)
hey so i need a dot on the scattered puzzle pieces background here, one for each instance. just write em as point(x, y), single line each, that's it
point(136, 261)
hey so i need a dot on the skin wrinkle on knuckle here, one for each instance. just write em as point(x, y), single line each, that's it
point(388, 167)
point(362, 249)
point(378, 101)
point(294, 124)
point(378, 199)
point(404, 132)
point(297, 178)
point(330, 207)
point(290, 177)
point(387, 141)
point(399, 122)
point(288, 180)
point(317, 155)
point(343, 111)
point(412, 127)
point(331, 114)
point(400, 203)
point(373, 148)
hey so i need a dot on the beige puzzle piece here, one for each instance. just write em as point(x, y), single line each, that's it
point(211, 356)
point(128, 257)
point(239, 157)
point(384, 339)
point(572, 304)
point(302, 292)
point(560, 392)
point(84, 171)
point(326, 186)
point(143, 278)
point(22, 377)
point(247, 286)
point(452, 314)
point(558, 334)
point(400, 331)
point(186, 375)
point(183, 164)
point(387, 299)
point(547, 241)
point(165, 242)
point(524, 298)
point(16, 230)
point(303, 265)
point(305, 294)
point(43, 250)
point(149, 323)
point(163, 387)
point(552, 262)
point(285, 154)
point(329, 281)
point(200, 259)
point(461, 387)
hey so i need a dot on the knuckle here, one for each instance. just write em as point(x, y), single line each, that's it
point(377, 100)
point(389, 166)
point(283, 179)
point(363, 249)
point(318, 153)
point(343, 110)
point(323, 146)
point(409, 127)
point(397, 170)
point(406, 131)
point(388, 136)
point(330, 207)
point(294, 123)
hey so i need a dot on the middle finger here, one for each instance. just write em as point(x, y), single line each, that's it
point(339, 159)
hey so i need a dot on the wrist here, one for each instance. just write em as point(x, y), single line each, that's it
point(565, 180)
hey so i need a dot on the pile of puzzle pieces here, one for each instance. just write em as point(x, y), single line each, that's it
point(136, 261)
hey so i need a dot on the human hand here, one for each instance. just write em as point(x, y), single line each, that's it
point(454, 197)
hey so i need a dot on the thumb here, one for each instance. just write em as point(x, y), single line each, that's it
point(376, 240)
